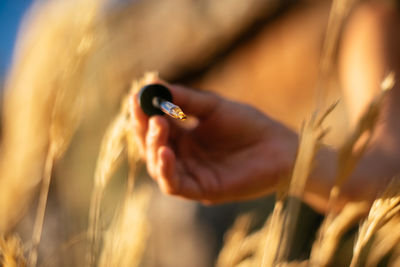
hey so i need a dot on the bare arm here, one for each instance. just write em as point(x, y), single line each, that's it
point(368, 51)
point(237, 152)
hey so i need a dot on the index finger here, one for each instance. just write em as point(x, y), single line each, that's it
point(194, 102)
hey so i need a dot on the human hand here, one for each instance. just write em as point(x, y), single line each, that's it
point(234, 152)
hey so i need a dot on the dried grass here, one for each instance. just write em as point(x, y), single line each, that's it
point(110, 156)
point(311, 137)
point(117, 139)
point(349, 155)
point(385, 240)
point(356, 144)
point(38, 132)
point(340, 9)
point(51, 115)
point(125, 241)
point(384, 208)
point(11, 252)
point(41, 115)
point(270, 245)
point(325, 246)
point(233, 251)
point(274, 239)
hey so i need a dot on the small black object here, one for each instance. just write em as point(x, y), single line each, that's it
point(148, 93)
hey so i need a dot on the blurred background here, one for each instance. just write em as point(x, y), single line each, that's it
point(11, 13)
point(265, 53)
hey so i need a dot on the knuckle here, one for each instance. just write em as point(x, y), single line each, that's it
point(168, 190)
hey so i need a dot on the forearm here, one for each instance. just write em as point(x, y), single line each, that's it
point(369, 177)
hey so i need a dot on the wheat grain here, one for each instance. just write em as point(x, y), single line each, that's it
point(232, 252)
point(11, 252)
point(41, 100)
point(326, 243)
point(385, 240)
point(382, 210)
point(269, 244)
point(118, 138)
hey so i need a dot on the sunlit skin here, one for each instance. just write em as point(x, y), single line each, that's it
point(224, 158)
point(236, 152)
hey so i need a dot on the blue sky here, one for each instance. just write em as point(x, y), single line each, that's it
point(11, 12)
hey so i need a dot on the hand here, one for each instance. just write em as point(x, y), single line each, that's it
point(235, 152)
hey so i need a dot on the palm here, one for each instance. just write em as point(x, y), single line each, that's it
point(226, 152)
point(235, 152)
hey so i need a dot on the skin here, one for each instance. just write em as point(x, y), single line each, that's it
point(224, 158)
point(236, 152)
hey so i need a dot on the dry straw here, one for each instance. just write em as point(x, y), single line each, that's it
point(325, 246)
point(125, 241)
point(11, 252)
point(275, 238)
point(233, 251)
point(270, 245)
point(269, 242)
point(384, 241)
point(384, 208)
point(110, 156)
point(337, 15)
point(41, 114)
point(38, 131)
point(118, 138)
point(65, 112)
point(311, 137)
point(349, 155)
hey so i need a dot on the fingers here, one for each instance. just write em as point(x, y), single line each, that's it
point(153, 134)
point(197, 103)
point(162, 165)
point(169, 181)
point(194, 102)
point(140, 123)
point(172, 179)
point(157, 136)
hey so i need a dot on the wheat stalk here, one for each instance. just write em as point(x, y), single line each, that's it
point(117, 139)
point(311, 137)
point(349, 154)
point(11, 252)
point(65, 115)
point(41, 209)
point(325, 245)
point(110, 156)
point(232, 252)
point(269, 244)
point(385, 240)
point(382, 210)
point(125, 241)
point(338, 12)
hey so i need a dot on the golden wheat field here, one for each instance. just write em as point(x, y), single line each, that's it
point(73, 190)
